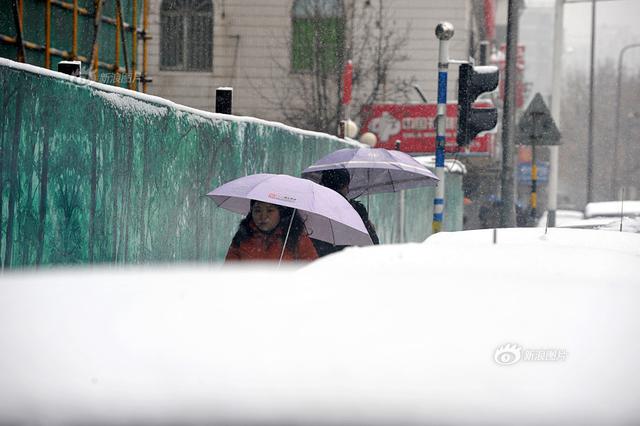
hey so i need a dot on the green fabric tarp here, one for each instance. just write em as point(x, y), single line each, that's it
point(95, 174)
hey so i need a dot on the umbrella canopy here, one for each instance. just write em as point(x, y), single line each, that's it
point(328, 216)
point(374, 170)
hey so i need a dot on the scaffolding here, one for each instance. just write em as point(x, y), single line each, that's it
point(104, 37)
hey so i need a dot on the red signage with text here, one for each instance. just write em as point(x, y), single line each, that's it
point(414, 126)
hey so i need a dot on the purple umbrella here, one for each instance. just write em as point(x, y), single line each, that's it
point(328, 216)
point(374, 170)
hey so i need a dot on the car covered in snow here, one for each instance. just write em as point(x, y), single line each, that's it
point(605, 215)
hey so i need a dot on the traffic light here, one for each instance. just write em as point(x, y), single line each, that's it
point(471, 83)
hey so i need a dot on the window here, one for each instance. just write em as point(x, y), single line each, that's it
point(186, 35)
point(317, 40)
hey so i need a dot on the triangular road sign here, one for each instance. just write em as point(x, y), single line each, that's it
point(536, 125)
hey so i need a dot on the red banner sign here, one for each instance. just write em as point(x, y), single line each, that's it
point(414, 126)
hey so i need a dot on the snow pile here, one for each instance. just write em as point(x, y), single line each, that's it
point(158, 101)
point(562, 217)
point(131, 104)
point(405, 334)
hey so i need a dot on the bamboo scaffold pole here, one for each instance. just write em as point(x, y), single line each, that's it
point(145, 37)
point(134, 46)
point(84, 12)
point(124, 39)
point(93, 59)
point(17, 18)
point(74, 45)
point(98, 17)
point(47, 34)
point(56, 52)
point(116, 80)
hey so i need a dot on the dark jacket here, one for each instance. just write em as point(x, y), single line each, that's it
point(324, 248)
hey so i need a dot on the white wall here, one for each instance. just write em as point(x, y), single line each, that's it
point(263, 28)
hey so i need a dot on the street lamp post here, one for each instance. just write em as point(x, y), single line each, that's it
point(591, 104)
point(616, 142)
point(444, 32)
point(555, 101)
point(558, 39)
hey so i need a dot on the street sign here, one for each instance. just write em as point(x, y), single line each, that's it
point(524, 172)
point(536, 127)
point(414, 126)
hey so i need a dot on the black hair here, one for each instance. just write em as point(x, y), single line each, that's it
point(245, 231)
point(335, 179)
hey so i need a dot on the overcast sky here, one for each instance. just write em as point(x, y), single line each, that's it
point(618, 24)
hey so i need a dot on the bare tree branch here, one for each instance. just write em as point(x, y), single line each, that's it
point(312, 99)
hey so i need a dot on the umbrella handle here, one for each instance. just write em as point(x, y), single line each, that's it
point(286, 238)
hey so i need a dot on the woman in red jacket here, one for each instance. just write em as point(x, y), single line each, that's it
point(262, 233)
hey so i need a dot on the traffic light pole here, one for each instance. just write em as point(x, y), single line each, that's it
point(508, 210)
point(444, 32)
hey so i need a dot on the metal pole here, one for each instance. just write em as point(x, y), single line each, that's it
point(507, 209)
point(401, 209)
point(534, 184)
point(616, 176)
point(558, 43)
point(444, 32)
point(591, 81)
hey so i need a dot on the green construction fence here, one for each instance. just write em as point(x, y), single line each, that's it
point(91, 173)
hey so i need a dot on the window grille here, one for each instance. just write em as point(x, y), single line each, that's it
point(186, 35)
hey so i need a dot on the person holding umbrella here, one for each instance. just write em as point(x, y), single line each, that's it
point(354, 172)
point(282, 212)
point(261, 235)
point(338, 180)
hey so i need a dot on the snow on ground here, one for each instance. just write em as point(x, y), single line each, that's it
point(395, 334)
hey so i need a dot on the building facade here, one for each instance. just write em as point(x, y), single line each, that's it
point(258, 48)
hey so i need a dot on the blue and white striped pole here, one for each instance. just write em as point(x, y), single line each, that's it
point(444, 32)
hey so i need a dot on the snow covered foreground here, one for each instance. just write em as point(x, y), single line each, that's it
point(403, 334)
